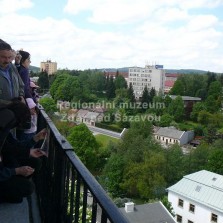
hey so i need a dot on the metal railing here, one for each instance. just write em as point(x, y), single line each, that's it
point(66, 190)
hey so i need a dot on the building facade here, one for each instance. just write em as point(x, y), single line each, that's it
point(151, 76)
point(170, 135)
point(49, 67)
point(197, 198)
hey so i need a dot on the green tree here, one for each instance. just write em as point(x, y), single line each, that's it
point(197, 108)
point(43, 80)
point(152, 93)
point(120, 82)
point(215, 89)
point(110, 88)
point(165, 120)
point(112, 175)
point(167, 101)
point(176, 109)
point(168, 205)
point(57, 82)
point(64, 127)
point(199, 130)
point(174, 159)
point(97, 82)
point(145, 99)
point(48, 104)
point(145, 179)
point(131, 95)
point(121, 97)
point(84, 144)
point(197, 159)
point(178, 88)
point(202, 93)
point(71, 89)
point(211, 78)
point(210, 134)
point(215, 163)
point(204, 117)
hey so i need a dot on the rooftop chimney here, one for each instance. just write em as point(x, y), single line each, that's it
point(129, 207)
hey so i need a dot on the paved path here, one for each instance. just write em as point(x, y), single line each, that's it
point(104, 132)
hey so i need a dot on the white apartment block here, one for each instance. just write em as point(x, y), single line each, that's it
point(198, 198)
point(49, 67)
point(151, 76)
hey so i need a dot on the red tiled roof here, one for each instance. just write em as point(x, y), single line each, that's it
point(169, 83)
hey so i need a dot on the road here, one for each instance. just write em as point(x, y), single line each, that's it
point(104, 132)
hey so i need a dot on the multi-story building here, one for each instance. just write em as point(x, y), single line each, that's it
point(151, 76)
point(49, 67)
point(197, 198)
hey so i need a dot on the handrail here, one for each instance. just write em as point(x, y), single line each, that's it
point(64, 185)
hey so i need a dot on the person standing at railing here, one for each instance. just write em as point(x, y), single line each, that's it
point(34, 93)
point(11, 84)
point(27, 134)
point(17, 160)
point(24, 72)
point(12, 146)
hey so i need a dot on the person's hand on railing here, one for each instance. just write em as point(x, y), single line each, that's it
point(37, 153)
point(40, 135)
point(24, 171)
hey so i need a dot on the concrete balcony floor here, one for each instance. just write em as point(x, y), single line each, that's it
point(25, 212)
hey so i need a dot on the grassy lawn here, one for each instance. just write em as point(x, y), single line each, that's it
point(104, 140)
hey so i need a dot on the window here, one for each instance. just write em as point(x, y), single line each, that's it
point(191, 208)
point(180, 203)
point(214, 218)
point(190, 221)
point(179, 218)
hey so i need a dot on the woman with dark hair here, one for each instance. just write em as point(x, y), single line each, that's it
point(24, 72)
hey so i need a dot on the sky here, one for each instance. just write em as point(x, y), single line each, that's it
point(94, 34)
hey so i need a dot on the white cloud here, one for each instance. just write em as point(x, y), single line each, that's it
point(202, 21)
point(127, 11)
point(157, 31)
point(10, 6)
point(75, 6)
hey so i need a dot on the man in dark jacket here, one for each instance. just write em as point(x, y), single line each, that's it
point(17, 160)
point(13, 182)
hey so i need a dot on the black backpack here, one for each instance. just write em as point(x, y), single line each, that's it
point(7, 122)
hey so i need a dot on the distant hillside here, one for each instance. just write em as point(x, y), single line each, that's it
point(186, 71)
point(126, 69)
point(34, 69)
point(178, 71)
